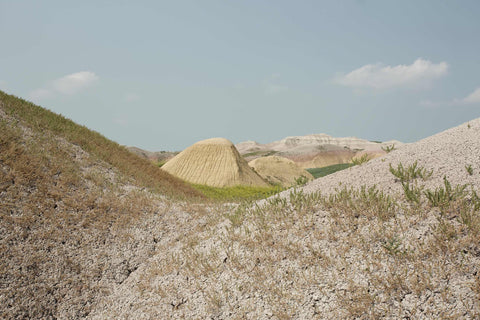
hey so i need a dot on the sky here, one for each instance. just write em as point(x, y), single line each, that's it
point(162, 75)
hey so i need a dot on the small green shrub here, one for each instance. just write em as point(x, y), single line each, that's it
point(442, 197)
point(469, 169)
point(301, 181)
point(389, 148)
point(161, 163)
point(360, 160)
point(369, 202)
point(393, 246)
point(413, 193)
point(411, 172)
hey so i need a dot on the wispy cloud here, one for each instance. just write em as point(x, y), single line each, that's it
point(472, 99)
point(377, 76)
point(67, 85)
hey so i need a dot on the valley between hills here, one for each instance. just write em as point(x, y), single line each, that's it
point(91, 230)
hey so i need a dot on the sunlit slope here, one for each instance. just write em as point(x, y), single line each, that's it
point(213, 162)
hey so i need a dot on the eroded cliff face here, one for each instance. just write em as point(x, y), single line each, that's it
point(316, 150)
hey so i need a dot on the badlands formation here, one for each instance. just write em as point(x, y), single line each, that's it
point(446, 153)
point(315, 150)
point(213, 162)
point(87, 234)
point(279, 170)
point(308, 257)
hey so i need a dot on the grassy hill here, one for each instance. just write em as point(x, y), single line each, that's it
point(70, 204)
point(144, 174)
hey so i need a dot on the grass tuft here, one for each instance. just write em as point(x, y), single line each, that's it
point(410, 173)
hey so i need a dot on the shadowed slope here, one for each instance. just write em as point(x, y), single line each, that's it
point(279, 170)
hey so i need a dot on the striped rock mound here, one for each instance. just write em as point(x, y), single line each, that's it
point(213, 162)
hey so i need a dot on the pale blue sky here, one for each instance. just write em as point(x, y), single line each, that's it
point(162, 75)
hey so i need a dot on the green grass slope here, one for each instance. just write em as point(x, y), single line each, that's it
point(141, 170)
point(324, 171)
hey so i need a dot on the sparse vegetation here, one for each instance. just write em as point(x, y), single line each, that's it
point(80, 240)
point(412, 191)
point(469, 169)
point(237, 193)
point(161, 163)
point(389, 148)
point(301, 181)
point(324, 171)
point(358, 161)
point(410, 173)
point(393, 246)
point(444, 196)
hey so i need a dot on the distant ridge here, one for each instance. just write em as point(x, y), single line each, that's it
point(315, 150)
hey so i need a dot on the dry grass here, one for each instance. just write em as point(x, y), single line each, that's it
point(71, 203)
point(357, 254)
point(141, 170)
point(78, 240)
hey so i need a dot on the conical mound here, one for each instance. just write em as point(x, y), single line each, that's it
point(213, 162)
point(279, 170)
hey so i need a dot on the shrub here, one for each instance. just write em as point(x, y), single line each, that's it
point(389, 148)
point(361, 160)
point(411, 172)
point(469, 169)
point(442, 197)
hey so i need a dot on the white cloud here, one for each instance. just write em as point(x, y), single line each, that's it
point(74, 82)
point(473, 97)
point(67, 85)
point(378, 76)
